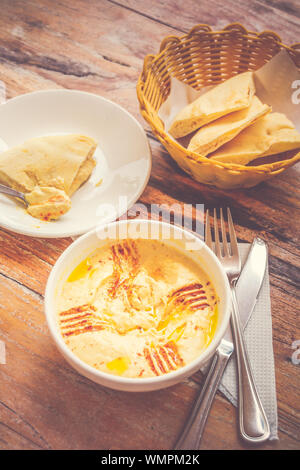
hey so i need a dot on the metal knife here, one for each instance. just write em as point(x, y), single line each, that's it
point(247, 291)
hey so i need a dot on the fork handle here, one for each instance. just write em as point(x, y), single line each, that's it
point(253, 423)
point(193, 430)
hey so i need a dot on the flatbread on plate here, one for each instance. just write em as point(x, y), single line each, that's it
point(217, 133)
point(63, 161)
point(272, 134)
point(229, 96)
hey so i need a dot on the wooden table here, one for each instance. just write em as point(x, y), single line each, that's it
point(99, 46)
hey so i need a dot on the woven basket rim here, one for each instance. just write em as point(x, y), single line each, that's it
point(204, 29)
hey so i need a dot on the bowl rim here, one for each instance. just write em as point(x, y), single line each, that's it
point(77, 232)
point(182, 372)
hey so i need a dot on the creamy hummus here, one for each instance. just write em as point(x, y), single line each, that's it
point(137, 308)
point(47, 203)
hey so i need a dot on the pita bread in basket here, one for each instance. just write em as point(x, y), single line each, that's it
point(204, 58)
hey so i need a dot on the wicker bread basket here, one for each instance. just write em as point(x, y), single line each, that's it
point(201, 58)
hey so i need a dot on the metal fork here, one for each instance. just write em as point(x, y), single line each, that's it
point(12, 192)
point(253, 423)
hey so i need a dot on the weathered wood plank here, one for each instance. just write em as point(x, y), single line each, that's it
point(100, 48)
point(257, 15)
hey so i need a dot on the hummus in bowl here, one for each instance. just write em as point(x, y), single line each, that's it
point(137, 313)
point(137, 308)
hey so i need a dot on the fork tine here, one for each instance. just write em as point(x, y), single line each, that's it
point(232, 235)
point(217, 239)
point(224, 237)
point(208, 239)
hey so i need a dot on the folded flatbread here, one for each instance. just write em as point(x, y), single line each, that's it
point(43, 164)
point(274, 133)
point(58, 161)
point(217, 133)
point(229, 96)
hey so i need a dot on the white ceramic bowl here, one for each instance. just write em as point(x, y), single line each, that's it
point(123, 157)
point(184, 241)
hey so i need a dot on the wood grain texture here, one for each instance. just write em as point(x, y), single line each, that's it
point(256, 15)
point(99, 46)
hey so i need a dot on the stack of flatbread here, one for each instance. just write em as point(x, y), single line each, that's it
point(230, 124)
point(48, 170)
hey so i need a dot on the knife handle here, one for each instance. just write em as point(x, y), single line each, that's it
point(193, 430)
point(253, 423)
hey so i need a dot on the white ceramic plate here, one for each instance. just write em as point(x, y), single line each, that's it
point(123, 157)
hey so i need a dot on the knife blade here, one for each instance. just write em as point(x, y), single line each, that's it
point(254, 269)
point(247, 292)
point(250, 281)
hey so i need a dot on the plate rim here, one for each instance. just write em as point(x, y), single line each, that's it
point(34, 233)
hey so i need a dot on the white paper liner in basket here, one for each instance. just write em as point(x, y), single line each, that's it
point(275, 86)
